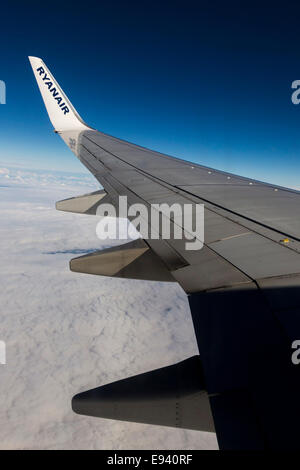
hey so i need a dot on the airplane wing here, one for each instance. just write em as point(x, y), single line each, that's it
point(243, 287)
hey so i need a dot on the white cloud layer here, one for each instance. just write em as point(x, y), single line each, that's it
point(66, 332)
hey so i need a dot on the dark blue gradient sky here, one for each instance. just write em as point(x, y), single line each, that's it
point(205, 81)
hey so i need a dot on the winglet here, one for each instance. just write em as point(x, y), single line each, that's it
point(62, 113)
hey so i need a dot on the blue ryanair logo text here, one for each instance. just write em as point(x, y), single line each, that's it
point(52, 89)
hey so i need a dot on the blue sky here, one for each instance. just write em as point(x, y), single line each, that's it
point(205, 82)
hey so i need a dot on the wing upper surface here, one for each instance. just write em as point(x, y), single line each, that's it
point(245, 220)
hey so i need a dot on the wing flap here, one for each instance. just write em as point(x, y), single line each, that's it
point(85, 204)
point(133, 260)
point(171, 396)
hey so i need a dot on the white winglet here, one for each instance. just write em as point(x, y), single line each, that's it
point(62, 114)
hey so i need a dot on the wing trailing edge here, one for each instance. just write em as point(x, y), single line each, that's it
point(171, 396)
point(133, 260)
point(85, 204)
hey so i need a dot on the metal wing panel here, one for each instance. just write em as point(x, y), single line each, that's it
point(235, 250)
point(277, 208)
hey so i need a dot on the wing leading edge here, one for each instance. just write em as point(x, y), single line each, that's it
point(243, 285)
